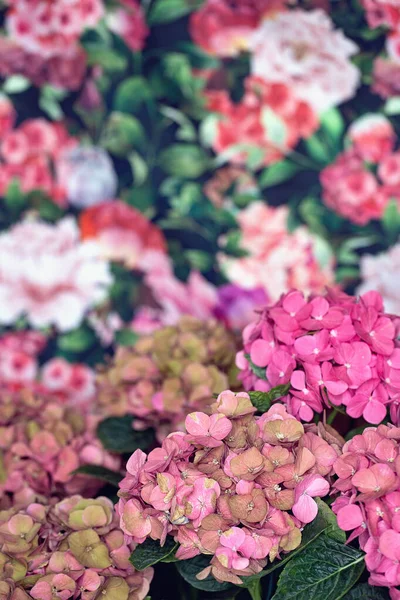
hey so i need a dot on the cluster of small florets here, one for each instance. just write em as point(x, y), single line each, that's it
point(369, 506)
point(42, 442)
point(71, 550)
point(236, 487)
point(329, 351)
point(168, 374)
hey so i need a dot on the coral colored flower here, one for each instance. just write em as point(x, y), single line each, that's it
point(373, 137)
point(277, 260)
point(302, 50)
point(225, 28)
point(122, 232)
point(50, 276)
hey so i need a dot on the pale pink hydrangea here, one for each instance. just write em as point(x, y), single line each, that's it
point(51, 28)
point(19, 357)
point(380, 273)
point(237, 488)
point(277, 260)
point(73, 549)
point(43, 441)
point(325, 351)
point(48, 275)
point(302, 50)
point(368, 480)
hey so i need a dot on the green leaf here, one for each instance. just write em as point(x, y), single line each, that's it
point(15, 84)
point(263, 400)
point(392, 106)
point(78, 340)
point(164, 11)
point(139, 168)
point(364, 591)
point(117, 434)
point(333, 123)
point(98, 472)
point(274, 126)
point(325, 569)
point(14, 198)
point(391, 220)
point(131, 94)
point(186, 161)
point(317, 149)
point(278, 173)
point(122, 133)
point(111, 60)
point(324, 523)
point(258, 371)
point(186, 131)
point(150, 552)
point(49, 102)
point(126, 337)
point(188, 569)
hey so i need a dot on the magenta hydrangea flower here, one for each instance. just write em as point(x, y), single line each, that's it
point(329, 351)
point(236, 487)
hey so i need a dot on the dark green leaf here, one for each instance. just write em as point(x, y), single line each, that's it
point(131, 94)
point(317, 149)
point(78, 340)
point(278, 173)
point(126, 337)
point(164, 11)
point(391, 220)
point(364, 591)
point(150, 552)
point(122, 133)
point(186, 161)
point(98, 472)
point(117, 434)
point(325, 569)
point(109, 59)
point(263, 400)
point(14, 198)
point(188, 569)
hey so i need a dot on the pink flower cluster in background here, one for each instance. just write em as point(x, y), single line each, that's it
point(269, 118)
point(277, 260)
point(368, 480)
point(73, 549)
point(328, 351)
point(364, 178)
point(48, 275)
point(29, 153)
point(235, 487)
point(43, 441)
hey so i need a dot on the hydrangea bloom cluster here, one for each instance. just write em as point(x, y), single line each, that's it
point(168, 374)
point(42, 441)
point(29, 153)
point(368, 481)
point(49, 275)
point(268, 118)
point(236, 487)
point(277, 260)
point(329, 351)
point(74, 549)
point(366, 176)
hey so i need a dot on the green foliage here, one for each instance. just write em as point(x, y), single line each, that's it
point(150, 552)
point(184, 160)
point(189, 570)
point(117, 434)
point(263, 400)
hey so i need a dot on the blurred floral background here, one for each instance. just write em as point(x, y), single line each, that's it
point(183, 158)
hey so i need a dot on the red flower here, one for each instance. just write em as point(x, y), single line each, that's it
point(124, 233)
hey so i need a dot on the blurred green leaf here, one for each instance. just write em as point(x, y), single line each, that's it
point(177, 67)
point(15, 84)
point(333, 124)
point(278, 173)
point(139, 168)
point(318, 149)
point(131, 94)
point(186, 161)
point(346, 253)
point(392, 106)
point(164, 11)
point(199, 260)
point(77, 341)
point(111, 60)
point(274, 126)
point(186, 131)
point(391, 221)
point(121, 133)
point(14, 198)
point(126, 337)
point(117, 435)
point(49, 102)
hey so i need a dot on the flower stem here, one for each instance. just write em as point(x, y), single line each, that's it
point(332, 416)
point(254, 589)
